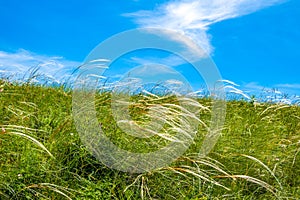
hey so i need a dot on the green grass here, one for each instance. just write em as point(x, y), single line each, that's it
point(42, 156)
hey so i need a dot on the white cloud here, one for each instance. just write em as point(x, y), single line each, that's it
point(254, 87)
point(152, 70)
point(18, 64)
point(193, 17)
point(287, 85)
point(276, 88)
point(284, 93)
point(169, 61)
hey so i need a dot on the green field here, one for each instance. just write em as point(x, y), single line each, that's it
point(42, 156)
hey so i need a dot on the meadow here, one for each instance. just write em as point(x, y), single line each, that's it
point(42, 156)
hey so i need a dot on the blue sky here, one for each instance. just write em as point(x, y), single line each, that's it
point(254, 43)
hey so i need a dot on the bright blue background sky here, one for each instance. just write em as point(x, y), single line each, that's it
point(255, 44)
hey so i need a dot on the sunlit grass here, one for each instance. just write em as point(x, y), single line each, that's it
point(42, 157)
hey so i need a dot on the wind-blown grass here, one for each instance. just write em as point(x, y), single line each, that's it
point(42, 156)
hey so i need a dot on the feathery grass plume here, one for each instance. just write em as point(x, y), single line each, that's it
point(164, 119)
point(231, 88)
point(265, 166)
point(253, 180)
point(194, 169)
point(21, 131)
point(65, 192)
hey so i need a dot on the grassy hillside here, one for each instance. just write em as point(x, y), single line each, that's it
point(42, 157)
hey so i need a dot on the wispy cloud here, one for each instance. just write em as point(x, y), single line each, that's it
point(254, 87)
point(194, 17)
point(287, 85)
point(284, 93)
point(21, 62)
point(171, 60)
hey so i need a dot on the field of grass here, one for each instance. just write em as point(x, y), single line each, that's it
point(42, 156)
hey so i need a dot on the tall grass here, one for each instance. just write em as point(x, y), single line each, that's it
point(42, 156)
